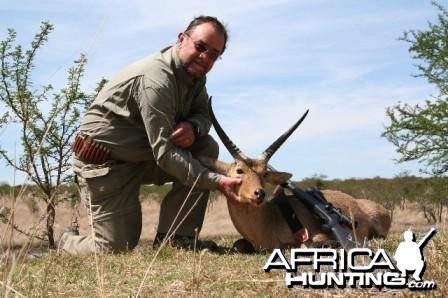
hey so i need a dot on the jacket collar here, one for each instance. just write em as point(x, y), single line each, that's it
point(179, 70)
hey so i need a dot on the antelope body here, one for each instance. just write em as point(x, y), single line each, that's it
point(261, 223)
point(265, 228)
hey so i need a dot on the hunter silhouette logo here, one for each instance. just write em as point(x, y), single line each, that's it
point(356, 267)
point(409, 255)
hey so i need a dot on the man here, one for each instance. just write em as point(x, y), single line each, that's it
point(149, 124)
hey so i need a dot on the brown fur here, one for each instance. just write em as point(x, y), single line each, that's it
point(265, 228)
point(260, 221)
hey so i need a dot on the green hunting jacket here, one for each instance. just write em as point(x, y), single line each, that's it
point(137, 110)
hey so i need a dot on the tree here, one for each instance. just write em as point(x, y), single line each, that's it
point(47, 122)
point(420, 132)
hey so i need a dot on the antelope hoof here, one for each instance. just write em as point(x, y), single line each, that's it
point(243, 246)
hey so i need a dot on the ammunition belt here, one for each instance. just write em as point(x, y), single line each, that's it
point(86, 149)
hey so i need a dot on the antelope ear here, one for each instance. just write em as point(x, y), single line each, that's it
point(276, 178)
point(215, 165)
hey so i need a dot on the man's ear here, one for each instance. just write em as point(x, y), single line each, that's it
point(215, 165)
point(180, 38)
point(276, 178)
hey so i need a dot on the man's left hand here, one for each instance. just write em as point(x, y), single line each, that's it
point(183, 135)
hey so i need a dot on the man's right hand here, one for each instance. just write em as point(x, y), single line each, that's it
point(228, 186)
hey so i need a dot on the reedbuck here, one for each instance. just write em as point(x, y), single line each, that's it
point(259, 220)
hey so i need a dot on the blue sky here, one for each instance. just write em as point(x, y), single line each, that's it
point(340, 59)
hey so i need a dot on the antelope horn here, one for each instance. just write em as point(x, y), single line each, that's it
point(267, 154)
point(233, 149)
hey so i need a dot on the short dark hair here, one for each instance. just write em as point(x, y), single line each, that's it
point(209, 19)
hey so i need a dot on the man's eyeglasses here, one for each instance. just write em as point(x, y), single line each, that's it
point(202, 47)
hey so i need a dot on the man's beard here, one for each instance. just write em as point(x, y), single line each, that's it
point(195, 75)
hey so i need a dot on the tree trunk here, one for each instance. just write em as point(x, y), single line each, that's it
point(51, 214)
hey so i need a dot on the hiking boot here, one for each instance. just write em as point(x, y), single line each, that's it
point(70, 231)
point(185, 242)
point(243, 246)
point(37, 255)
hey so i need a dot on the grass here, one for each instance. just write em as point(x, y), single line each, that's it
point(170, 272)
point(185, 273)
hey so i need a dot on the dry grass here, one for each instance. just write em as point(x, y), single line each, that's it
point(216, 222)
point(184, 273)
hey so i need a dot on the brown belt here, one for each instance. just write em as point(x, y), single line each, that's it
point(87, 149)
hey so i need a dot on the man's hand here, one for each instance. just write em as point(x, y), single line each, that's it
point(183, 135)
point(302, 235)
point(227, 186)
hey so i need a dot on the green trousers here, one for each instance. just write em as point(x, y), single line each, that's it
point(111, 194)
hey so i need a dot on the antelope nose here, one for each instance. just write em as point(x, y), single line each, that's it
point(260, 194)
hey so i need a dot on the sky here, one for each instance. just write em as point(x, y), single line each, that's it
point(342, 60)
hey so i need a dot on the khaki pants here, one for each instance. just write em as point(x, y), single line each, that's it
point(111, 194)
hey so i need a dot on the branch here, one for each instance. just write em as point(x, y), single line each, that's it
point(39, 39)
point(6, 220)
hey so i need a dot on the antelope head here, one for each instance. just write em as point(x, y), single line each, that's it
point(253, 172)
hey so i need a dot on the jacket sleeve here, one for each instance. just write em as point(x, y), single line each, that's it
point(157, 108)
point(199, 112)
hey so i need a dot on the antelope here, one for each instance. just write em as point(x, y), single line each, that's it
point(260, 222)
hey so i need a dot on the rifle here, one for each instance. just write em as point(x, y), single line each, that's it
point(333, 220)
point(421, 244)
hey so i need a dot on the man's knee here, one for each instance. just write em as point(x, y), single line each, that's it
point(119, 231)
point(116, 244)
point(205, 146)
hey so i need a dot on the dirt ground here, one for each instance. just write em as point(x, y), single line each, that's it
point(217, 221)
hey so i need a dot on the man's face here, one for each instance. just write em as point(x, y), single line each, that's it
point(199, 48)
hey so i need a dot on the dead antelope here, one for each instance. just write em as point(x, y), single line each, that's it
point(260, 222)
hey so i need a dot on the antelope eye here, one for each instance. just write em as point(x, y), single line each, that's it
point(239, 171)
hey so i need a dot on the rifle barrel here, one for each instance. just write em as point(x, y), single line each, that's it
point(424, 240)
